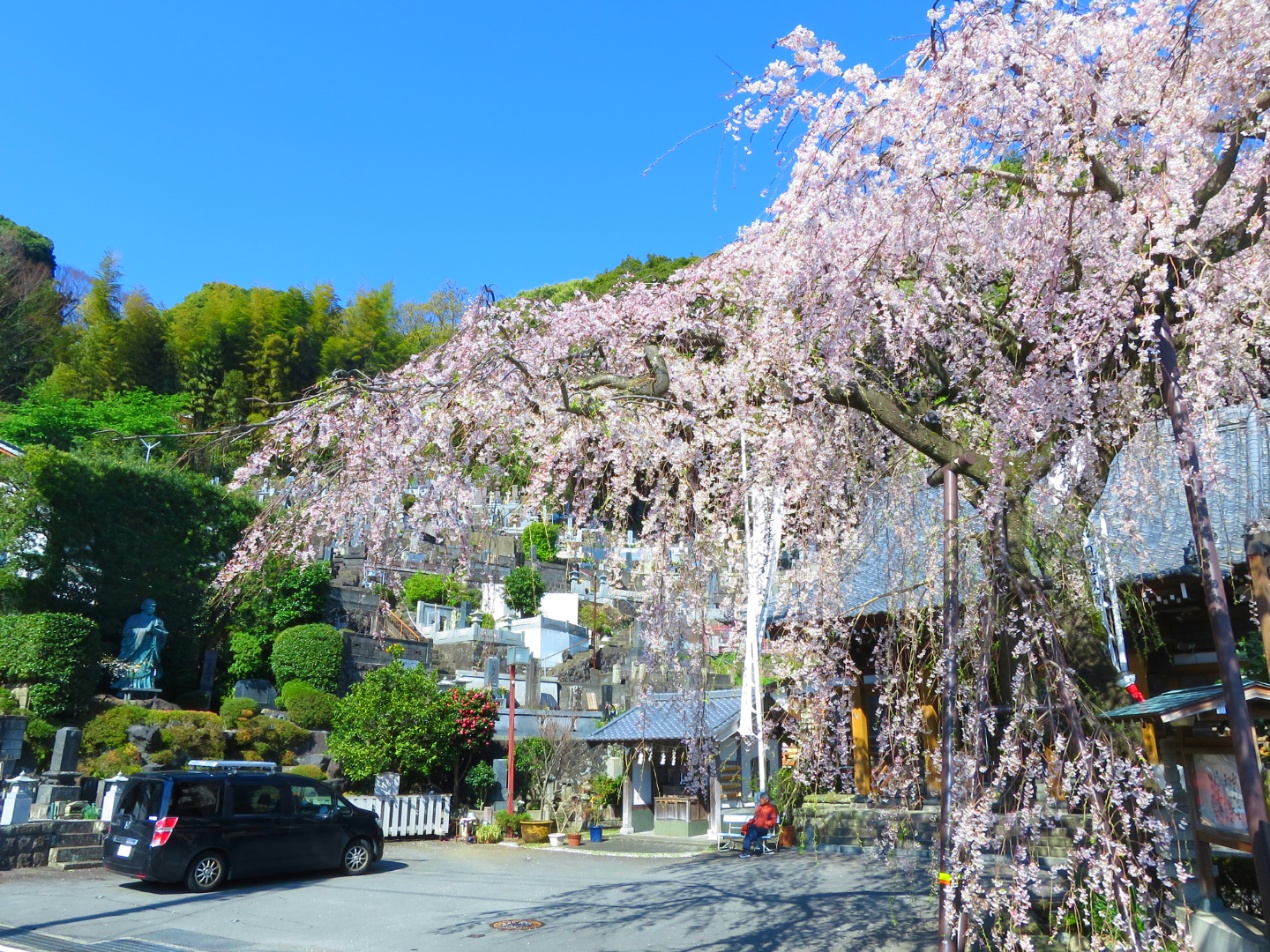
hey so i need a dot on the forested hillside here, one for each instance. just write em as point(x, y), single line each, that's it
point(86, 358)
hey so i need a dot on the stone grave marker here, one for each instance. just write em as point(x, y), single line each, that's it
point(66, 751)
point(259, 690)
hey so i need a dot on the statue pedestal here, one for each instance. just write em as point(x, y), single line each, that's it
point(138, 694)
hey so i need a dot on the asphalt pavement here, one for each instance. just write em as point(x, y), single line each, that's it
point(431, 896)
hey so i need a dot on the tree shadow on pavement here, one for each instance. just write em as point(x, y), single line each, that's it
point(766, 904)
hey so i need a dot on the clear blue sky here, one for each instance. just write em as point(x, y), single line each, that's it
point(282, 143)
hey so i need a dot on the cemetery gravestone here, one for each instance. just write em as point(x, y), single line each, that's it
point(12, 730)
point(499, 797)
point(492, 668)
point(257, 689)
point(66, 751)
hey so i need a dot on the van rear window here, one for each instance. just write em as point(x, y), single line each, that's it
point(196, 798)
point(141, 799)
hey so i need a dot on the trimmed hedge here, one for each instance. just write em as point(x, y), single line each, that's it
point(312, 653)
point(233, 709)
point(291, 689)
point(57, 655)
point(312, 710)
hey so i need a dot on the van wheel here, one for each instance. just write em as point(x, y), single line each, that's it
point(357, 857)
point(206, 872)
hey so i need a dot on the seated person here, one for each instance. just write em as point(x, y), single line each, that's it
point(763, 822)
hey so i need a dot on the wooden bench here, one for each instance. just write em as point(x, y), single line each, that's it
point(731, 837)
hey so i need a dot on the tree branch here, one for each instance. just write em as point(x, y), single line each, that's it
point(888, 413)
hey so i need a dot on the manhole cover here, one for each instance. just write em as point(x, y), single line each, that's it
point(516, 925)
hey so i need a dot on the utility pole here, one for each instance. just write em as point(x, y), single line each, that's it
point(949, 894)
point(515, 656)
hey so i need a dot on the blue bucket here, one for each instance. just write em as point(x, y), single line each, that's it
point(597, 834)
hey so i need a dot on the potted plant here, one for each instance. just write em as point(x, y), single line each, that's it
point(787, 794)
point(535, 831)
point(571, 818)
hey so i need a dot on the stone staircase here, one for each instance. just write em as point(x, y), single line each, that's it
point(730, 782)
point(76, 844)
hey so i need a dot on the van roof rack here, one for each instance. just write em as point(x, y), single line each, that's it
point(235, 766)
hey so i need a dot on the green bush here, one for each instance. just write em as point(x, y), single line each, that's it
point(191, 735)
point(8, 703)
point(308, 770)
point(39, 737)
point(312, 653)
point(183, 736)
point(109, 730)
point(523, 589)
point(543, 537)
point(606, 791)
point(121, 760)
point(312, 710)
point(488, 833)
point(787, 793)
point(57, 655)
point(479, 782)
point(509, 822)
point(291, 689)
point(267, 738)
point(247, 656)
point(437, 590)
point(233, 709)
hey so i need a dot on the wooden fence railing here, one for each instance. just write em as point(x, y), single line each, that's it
point(415, 815)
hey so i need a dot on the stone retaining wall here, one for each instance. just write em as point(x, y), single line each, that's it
point(25, 844)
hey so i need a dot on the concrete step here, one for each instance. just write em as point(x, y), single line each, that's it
point(77, 839)
point(75, 857)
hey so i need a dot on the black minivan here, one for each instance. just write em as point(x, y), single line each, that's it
point(229, 819)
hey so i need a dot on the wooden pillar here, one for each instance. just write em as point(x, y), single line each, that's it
point(1150, 746)
point(930, 743)
point(860, 744)
point(1257, 546)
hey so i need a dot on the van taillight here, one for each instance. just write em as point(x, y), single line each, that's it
point(162, 830)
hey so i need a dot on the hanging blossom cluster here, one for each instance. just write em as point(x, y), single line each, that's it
point(970, 262)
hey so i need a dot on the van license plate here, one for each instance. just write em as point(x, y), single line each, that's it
point(124, 850)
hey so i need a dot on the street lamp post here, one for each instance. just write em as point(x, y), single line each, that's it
point(515, 656)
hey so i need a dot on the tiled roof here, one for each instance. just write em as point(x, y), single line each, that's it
point(896, 565)
point(674, 717)
point(1186, 702)
point(1145, 506)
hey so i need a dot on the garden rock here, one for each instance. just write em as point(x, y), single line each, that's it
point(313, 752)
point(144, 737)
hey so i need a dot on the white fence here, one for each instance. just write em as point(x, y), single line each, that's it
point(418, 815)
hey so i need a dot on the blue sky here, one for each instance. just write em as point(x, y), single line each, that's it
point(287, 143)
